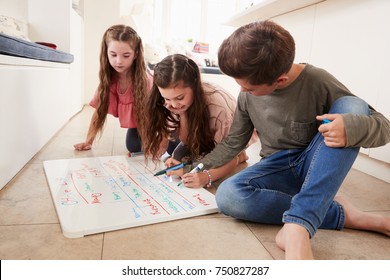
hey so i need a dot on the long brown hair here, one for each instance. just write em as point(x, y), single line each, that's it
point(177, 70)
point(260, 52)
point(137, 73)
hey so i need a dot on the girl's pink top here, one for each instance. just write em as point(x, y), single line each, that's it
point(121, 105)
point(222, 106)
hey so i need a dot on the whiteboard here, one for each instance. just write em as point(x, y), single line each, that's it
point(99, 194)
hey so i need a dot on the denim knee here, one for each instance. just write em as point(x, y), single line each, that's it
point(222, 197)
point(350, 105)
point(227, 199)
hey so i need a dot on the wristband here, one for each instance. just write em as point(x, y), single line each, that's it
point(210, 180)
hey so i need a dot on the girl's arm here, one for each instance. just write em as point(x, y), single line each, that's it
point(87, 145)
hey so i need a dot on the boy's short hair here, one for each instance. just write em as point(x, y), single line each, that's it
point(260, 52)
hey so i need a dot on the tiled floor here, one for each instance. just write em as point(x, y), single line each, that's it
point(29, 227)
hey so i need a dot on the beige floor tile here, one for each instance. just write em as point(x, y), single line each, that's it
point(266, 235)
point(62, 148)
point(26, 199)
point(46, 242)
point(366, 192)
point(220, 238)
point(350, 244)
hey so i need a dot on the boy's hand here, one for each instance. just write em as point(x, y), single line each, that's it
point(333, 132)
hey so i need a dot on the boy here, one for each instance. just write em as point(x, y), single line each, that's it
point(304, 159)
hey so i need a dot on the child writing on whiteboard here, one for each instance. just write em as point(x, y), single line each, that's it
point(198, 114)
point(123, 86)
point(310, 127)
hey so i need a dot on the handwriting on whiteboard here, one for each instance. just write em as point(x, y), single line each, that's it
point(118, 181)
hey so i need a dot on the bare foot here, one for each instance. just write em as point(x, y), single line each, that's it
point(295, 241)
point(242, 157)
point(356, 219)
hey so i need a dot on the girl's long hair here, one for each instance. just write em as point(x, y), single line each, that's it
point(177, 70)
point(137, 74)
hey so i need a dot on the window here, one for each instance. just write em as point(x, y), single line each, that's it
point(199, 20)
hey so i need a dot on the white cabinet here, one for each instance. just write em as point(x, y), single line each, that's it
point(347, 39)
point(37, 97)
point(266, 9)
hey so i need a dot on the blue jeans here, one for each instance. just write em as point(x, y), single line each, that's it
point(294, 186)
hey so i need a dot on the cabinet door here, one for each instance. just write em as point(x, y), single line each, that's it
point(383, 106)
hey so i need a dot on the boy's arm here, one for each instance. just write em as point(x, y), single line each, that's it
point(367, 131)
point(239, 135)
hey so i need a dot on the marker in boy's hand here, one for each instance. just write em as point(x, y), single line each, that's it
point(327, 118)
point(334, 135)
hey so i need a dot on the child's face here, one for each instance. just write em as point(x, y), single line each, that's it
point(177, 99)
point(120, 56)
point(256, 90)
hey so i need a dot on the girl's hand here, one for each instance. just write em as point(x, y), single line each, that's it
point(82, 146)
point(195, 180)
point(333, 132)
point(171, 162)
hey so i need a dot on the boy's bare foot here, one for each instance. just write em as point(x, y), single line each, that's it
point(295, 241)
point(357, 219)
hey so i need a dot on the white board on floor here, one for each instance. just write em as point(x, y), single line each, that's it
point(99, 194)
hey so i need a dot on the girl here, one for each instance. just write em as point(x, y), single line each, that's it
point(123, 85)
point(198, 114)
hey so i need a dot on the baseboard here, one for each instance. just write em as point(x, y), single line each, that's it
point(373, 167)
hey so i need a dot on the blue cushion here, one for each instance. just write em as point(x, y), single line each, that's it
point(17, 47)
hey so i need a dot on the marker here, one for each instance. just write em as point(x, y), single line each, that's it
point(175, 167)
point(133, 154)
point(325, 121)
point(195, 170)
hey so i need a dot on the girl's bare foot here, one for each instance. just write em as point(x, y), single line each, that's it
point(357, 219)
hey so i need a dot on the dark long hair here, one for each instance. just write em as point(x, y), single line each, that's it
point(177, 70)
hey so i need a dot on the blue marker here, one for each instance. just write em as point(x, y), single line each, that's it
point(325, 121)
point(175, 167)
point(195, 170)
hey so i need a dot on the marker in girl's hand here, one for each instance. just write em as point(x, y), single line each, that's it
point(325, 121)
point(195, 170)
point(175, 167)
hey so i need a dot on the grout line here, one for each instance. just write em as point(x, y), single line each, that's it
point(272, 256)
point(102, 251)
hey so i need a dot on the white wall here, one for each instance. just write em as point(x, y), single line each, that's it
point(50, 26)
point(99, 15)
point(18, 9)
